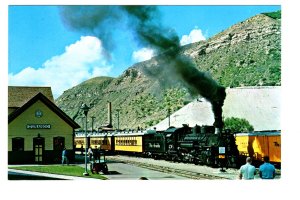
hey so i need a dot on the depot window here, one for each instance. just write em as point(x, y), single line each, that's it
point(18, 144)
point(58, 143)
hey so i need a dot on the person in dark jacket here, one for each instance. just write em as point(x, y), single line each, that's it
point(96, 153)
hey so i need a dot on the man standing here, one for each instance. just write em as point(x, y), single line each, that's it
point(96, 153)
point(64, 157)
point(267, 170)
point(90, 153)
point(81, 149)
point(247, 171)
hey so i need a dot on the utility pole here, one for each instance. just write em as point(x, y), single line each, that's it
point(118, 117)
point(169, 113)
point(82, 122)
point(93, 118)
point(85, 109)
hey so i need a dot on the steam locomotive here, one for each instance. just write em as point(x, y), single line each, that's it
point(199, 144)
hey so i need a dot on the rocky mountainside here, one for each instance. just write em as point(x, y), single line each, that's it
point(246, 54)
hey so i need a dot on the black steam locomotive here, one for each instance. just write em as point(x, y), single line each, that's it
point(200, 144)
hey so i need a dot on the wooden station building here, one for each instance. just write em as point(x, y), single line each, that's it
point(37, 129)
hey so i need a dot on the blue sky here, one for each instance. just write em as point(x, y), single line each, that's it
point(43, 51)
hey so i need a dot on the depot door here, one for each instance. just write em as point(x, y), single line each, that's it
point(58, 146)
point(38, 149)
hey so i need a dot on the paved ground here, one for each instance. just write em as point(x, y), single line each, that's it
point(117, 171)
point(229, 173)
point(120, 171)
point(28, 175)
point(17, 175)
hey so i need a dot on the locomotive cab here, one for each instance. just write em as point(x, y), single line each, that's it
point(154, 144)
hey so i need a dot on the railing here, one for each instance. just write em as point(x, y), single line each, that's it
point(81, 133)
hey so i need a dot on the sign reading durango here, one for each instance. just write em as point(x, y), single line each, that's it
point(38, 126)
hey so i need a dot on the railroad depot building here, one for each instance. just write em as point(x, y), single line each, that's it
point(37, 129)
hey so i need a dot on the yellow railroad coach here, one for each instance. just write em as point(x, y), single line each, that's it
point(112, 142)
point(94, 141)
point(129, 143)
point(79, 142)
point(103, 142)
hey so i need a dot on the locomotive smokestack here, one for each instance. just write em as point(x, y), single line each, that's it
point(217, 105)
point(109, 116)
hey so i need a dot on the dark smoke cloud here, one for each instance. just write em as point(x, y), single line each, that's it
point(100, 21)
point(144, 22)
point(199, 82)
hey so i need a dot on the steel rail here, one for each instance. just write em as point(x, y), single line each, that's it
point(170, 170)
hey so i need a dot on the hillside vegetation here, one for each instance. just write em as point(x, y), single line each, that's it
point(246, 54)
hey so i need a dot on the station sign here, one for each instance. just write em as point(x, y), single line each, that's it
point(38, 126)
point(222, 150)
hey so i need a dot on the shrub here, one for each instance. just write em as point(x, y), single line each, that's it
point(237, 125)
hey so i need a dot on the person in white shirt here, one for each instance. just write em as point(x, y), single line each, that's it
point(90, 153)
point(247, 171)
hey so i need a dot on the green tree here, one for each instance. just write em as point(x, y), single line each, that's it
point(237, 125)
point(173, 99)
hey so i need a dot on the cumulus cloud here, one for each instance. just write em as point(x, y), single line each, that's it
point(194, 36)
point(80, 61)
point(142, 54)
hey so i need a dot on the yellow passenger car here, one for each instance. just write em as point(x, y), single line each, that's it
point(129, 142)
point(78, 142)
point(95, 140)
point(104, 142)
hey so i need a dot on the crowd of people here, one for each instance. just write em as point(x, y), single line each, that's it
point(266, 170)
point(93, 154)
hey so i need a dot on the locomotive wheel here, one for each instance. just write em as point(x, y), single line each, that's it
point(196, 162)
point(208, 162)
point(173, 158)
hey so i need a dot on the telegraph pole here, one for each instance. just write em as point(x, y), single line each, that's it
point(118, 117)
point(93, 118)
point(169, 112)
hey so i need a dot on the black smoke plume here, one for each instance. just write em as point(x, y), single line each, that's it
point(144, 22)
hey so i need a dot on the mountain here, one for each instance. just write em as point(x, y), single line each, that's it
point(246, 54)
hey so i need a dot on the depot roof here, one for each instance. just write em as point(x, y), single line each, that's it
point(19, 95)
point(22, 98)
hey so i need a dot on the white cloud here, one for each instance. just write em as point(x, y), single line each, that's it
point(80, 61)
point(142, 54)
point(194, 36)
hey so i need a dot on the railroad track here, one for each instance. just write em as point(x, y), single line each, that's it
point(170, 170)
